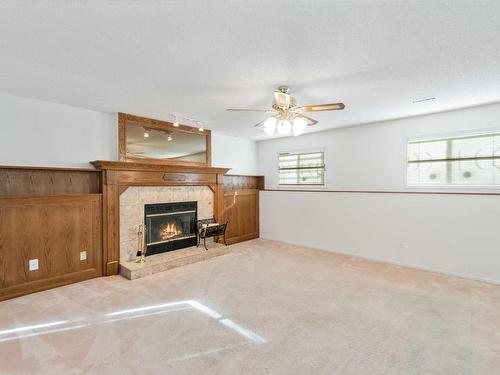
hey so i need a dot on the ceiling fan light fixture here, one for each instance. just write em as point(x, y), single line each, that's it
point(284, 127)
point(270, 126)
point(298, 127)
point(287, 116)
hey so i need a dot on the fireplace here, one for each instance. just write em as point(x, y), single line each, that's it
point(170, 226)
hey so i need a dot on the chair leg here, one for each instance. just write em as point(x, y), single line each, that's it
point(225, 243)
point(198, 241)
point(205, 243)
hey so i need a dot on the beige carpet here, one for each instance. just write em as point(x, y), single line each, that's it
point(265, 308)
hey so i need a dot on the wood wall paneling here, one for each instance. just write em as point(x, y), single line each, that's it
point(38, 181)
point(242, 212)
point(49, 214)
point(53, 230)
point(241, 206)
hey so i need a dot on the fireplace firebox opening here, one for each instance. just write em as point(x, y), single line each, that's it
point(170, 226)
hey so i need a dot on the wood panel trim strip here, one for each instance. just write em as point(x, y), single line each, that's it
point(40, 168)
point(17, 200)
point(382, 192)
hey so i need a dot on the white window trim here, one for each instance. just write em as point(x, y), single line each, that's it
point(454, 187)
point(301, 187)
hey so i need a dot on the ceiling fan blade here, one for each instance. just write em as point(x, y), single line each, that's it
point(250, 110)
point(310, 121)
point(322, 107)
point(259, 124)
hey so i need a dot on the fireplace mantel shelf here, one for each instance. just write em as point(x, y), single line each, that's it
point(135, 166)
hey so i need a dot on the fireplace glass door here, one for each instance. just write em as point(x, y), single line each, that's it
point(170, 226)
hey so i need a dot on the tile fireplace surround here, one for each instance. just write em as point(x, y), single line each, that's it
point(132, 203)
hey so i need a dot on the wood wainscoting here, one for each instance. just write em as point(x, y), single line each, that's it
point(49, 214)
point(241, 207)
point(54, 214)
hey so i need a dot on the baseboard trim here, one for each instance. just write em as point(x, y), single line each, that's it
point(49, 283)
point(245, 237)
point(400, 264)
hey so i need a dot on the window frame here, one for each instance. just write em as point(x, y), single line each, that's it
point(446, 136)
point(302, 186)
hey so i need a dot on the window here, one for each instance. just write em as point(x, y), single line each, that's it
point(302, 168)
point(467, 160)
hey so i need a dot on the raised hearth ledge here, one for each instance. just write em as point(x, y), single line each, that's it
point(172, 259)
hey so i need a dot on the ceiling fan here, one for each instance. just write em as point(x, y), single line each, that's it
point(286, 116)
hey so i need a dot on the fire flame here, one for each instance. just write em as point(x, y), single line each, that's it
point(168, 231)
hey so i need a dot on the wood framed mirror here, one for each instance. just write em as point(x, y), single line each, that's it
point(153, 141)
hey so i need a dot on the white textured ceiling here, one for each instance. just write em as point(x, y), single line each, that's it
point(196, 58)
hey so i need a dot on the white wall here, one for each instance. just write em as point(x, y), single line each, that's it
point(39, 133)
point(372, 156)
point(456, 234)
point(237, 153)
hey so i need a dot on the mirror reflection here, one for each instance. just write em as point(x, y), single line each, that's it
point(146, 142)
